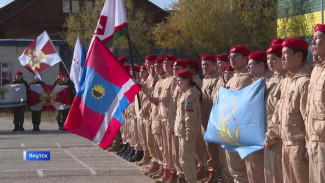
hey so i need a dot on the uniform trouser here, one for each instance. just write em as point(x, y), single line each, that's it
point(255, 167)
point(36, 117)
point(135, 135)
point(237, 167)
point(175, 155)
point(62, 116)
point(142, 134)
point(316, 152)
point(167, 151)
point(187, 159)
point(225, 171)
point(294, 165)
point(18, 115)
point(151, 143)
point(157, 133)
point(273, 164)
point(213, 162)
point(201, 154)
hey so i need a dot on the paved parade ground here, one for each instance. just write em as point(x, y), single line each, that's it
point(73, 158)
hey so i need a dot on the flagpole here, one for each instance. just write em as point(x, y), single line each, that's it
point(137, 50)
point(65, 67)
point(132, 64)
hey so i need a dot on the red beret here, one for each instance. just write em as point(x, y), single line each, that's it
point(184, 74)
point(159, 60)
point(259, 56)
point(179, 62)
point(19, 73)
point(223, 57)
point(208, 57)
point(276, 49)
point(169, 58)
point(65, 74)
point(296, 43)
point(276, 41)
point(142, 67)
point(60, 73)
point(228, 68)
point(136, 68)
point(320, 27)
point(192, 63)
point(151, 57)
point(240, 49)
point(122, 59)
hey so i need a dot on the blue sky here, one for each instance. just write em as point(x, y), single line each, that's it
point(161, 3)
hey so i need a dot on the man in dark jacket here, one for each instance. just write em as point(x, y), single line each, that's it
point(36, 115)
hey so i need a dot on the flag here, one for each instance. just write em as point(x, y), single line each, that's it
point(105, 90)
point(40, 55)
point(112, 22)
point(49, 97)
point(78, 62)
point(12, 95)
point(237, 120)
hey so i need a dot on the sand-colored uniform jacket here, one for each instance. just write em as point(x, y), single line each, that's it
point(272, 135)
point(154, 107)
point(167, 87)
point(292, 105)
point(240, 80)
point(188, 114)
point(316, 105)
point(220, 83)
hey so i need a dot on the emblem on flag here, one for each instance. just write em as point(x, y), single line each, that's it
point(98, 91)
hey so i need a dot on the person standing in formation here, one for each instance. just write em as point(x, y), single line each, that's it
point(36, 115)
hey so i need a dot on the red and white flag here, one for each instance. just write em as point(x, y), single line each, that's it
point(49, 97)
point(112, 22)
point(40, 55)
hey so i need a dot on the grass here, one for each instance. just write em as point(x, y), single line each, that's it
point(47, 116)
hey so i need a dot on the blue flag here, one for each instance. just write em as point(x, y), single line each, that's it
point(237, 120)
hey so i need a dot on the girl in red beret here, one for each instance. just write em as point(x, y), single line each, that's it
point(188, 123)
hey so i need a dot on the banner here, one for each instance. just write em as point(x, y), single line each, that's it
point(78, 62)
point(49, 97)
point(39, 55)
point(237, 119)
point(105, 90)
point(12, 95)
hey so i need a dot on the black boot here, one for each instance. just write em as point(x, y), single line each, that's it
point(125, 147)
point(126, 152)
point(138, 155)
point(37, 127)
point(21, 128)
point(132, 152)
point(16, 128)
point(34, 127)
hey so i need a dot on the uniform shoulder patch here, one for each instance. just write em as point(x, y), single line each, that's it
point(189, 104)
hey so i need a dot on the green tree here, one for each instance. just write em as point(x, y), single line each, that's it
point(83, 24)
point(213, 26)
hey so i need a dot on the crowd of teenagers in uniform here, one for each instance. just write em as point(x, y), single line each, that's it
point(164, 127)
point(62, 79)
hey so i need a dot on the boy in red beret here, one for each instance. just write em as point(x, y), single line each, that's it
point(238, 56)
point(209, 83)
point(292, 110)
point(19, 111)
point(257, 64)
point(315, 121)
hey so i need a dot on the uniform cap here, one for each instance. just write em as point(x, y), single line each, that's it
point(179, 62)
point(143, 67)
point(259, 56)
point(169, 58)
point(159, 60)
point(240, 49)
point(296, 43)
point(223, 57)
point(18, 73)
point(192, 63)
point(208, 57)
point(136, 68)
point(228, 68)
point(65, 74)
point(184, 74)
point(276, 41)
point(320, 27)
point(276, 49)
point(122, 59)
point(151, 57)
point(60, 73)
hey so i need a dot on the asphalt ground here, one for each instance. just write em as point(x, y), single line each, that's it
point(73, 158)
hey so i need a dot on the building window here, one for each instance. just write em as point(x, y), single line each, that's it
point(89, 6)
point(6, 70)
point(75, 6)
point(66, 6)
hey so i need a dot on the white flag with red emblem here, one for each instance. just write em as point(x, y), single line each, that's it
point(112, 22)
point(40, 55)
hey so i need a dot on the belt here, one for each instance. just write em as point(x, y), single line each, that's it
point(293, 143)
